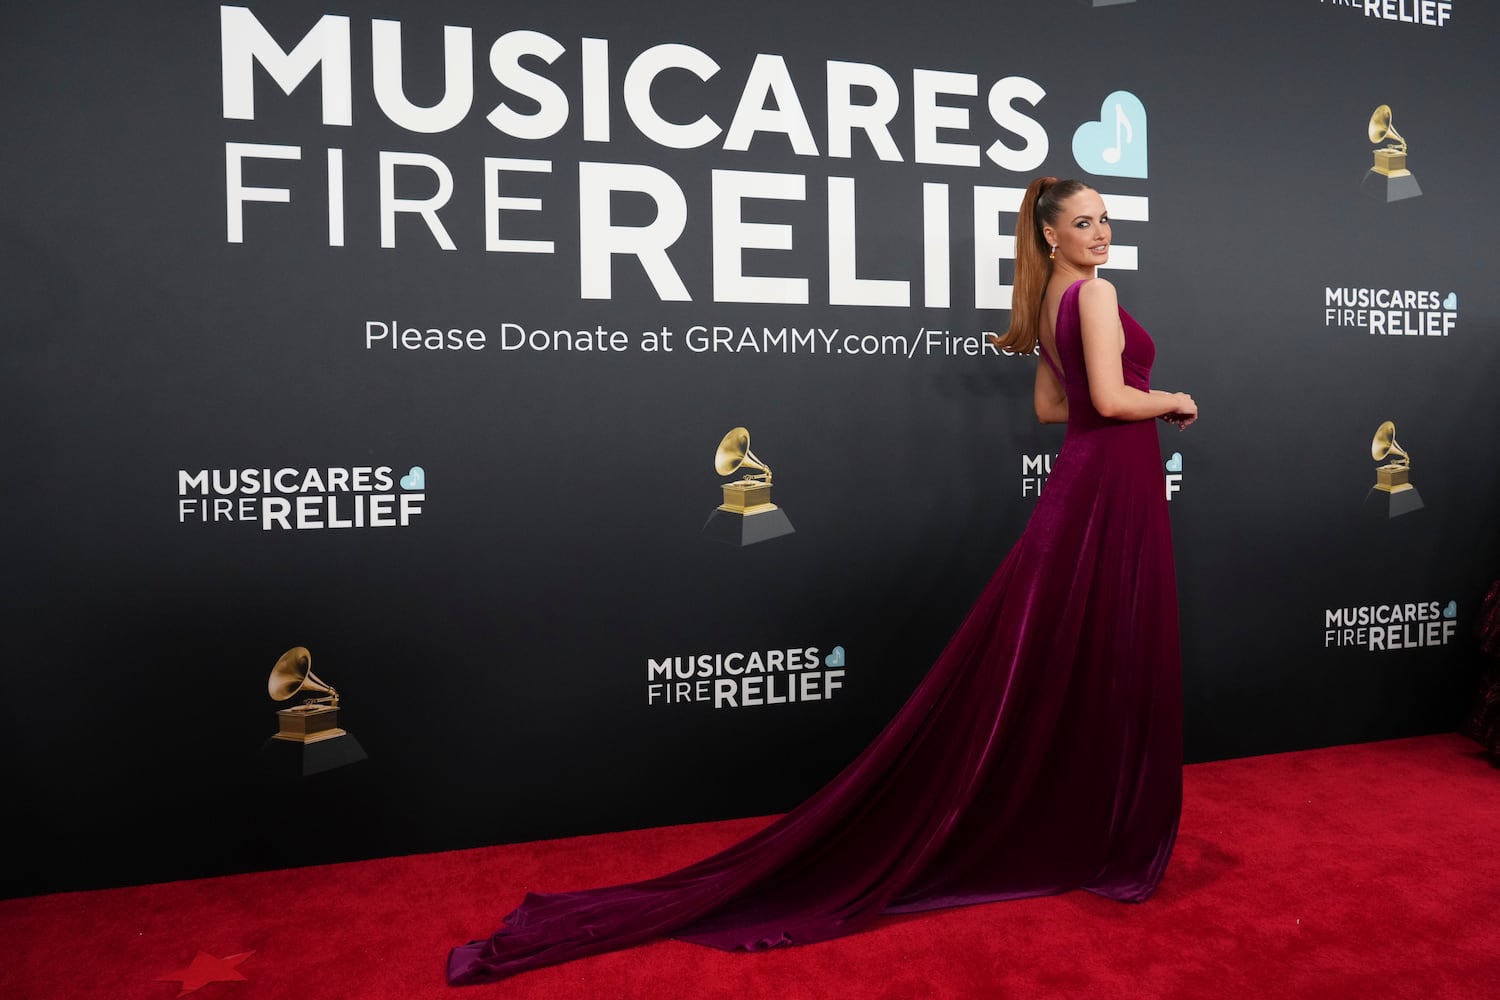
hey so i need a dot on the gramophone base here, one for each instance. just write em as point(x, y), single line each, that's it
point(747, 529)
point(308, 723)
point(1383, 188)
point(1381, 505)
point(318, 737)
point(281, 758)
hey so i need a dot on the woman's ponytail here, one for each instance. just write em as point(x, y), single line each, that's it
point(1039, 205)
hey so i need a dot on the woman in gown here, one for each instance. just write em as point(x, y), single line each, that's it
point(1042, 752)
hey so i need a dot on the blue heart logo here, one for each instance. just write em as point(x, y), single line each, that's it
point(1451, 611)
point(1174, 464)
point(835, 658)
point(1451, 302)
point(416, 479)
point(1115, 145)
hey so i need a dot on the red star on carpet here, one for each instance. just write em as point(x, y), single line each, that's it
point(205, 969)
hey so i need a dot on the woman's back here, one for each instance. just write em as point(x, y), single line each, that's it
point(1061, 343)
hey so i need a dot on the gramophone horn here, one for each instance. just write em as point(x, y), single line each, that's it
point(293, 675)
point(1380, 126)
point(734, 454)
point(1385, 444)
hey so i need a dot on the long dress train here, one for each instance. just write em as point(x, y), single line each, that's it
point(1042, 752)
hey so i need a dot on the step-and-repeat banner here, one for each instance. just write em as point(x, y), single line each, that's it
point(444, 423)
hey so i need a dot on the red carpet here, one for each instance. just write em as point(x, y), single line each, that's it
point(1364, 871)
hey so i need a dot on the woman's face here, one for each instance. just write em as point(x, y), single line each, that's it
point(1081, 232)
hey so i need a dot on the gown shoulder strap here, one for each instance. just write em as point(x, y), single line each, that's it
point(1069, 301)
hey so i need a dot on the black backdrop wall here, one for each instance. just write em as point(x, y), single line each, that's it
point(221, 222)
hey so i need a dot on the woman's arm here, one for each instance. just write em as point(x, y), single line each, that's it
point(1050, 399)
point(1103, 343)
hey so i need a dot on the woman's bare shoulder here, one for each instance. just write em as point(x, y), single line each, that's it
point(1098, 291)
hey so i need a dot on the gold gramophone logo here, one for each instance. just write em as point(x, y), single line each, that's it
point(1393, 493)
point(310, 730)
point(747, 514)
point(1389, 179)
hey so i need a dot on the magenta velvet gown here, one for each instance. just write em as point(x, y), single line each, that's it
point(1042, 752)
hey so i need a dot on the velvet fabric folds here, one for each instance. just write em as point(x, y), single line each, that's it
point(1041, 753)
point(1483, 723)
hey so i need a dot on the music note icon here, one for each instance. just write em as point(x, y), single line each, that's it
point(1122, 125)
point(1122, 121)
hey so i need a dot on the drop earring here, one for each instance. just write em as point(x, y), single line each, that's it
point(1053, 254)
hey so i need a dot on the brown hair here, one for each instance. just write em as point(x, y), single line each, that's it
point(1041, 203)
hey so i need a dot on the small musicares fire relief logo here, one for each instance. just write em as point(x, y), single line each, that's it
point(746, 680)
point(1036, 468)
point(292, 499)
point(1391, 312)
point(1389, 627)
point(1432, 13)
